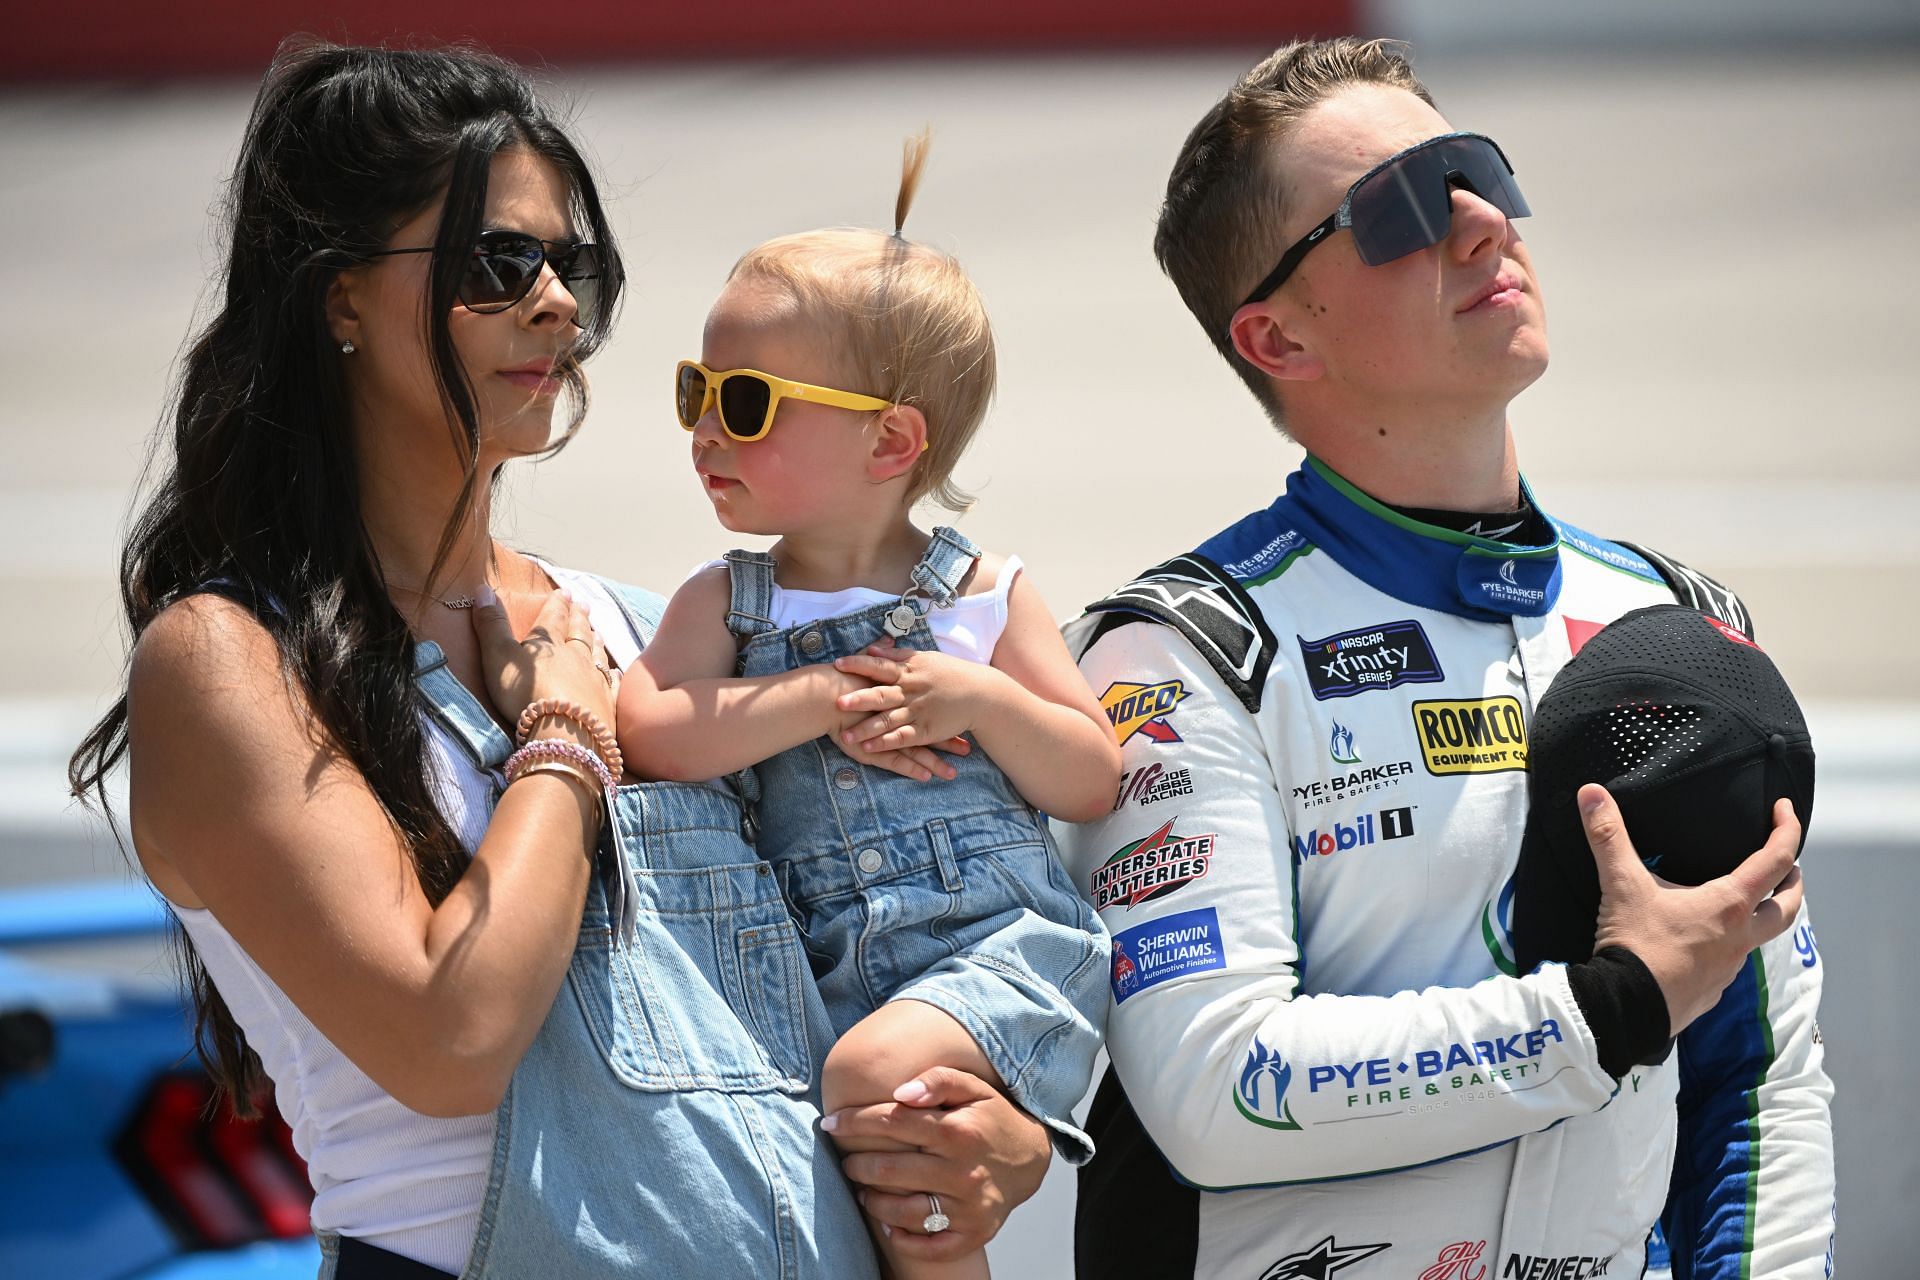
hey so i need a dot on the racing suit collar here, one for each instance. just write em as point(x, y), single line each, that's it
point(1422, 564)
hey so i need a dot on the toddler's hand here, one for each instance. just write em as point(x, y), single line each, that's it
point(920, 763)
point(917, 699)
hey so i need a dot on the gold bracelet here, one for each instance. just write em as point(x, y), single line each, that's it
point(567, 768)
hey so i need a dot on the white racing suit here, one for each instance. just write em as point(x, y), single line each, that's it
point(1324, 1063)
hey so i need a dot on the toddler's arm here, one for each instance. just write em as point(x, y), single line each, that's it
point(1031, 710)
point(683, 716)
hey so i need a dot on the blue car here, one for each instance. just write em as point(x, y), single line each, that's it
point(114, 1162)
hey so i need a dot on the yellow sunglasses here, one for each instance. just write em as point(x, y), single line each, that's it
point(748, 398)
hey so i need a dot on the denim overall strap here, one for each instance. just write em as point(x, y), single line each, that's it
point(460, 713)
point(639, 607)
point(453, 705)
point(948, 560)
point(750, 613)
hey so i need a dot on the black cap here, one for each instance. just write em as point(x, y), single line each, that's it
point(1691, 727)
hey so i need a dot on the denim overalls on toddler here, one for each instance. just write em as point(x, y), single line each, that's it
point(663, 1123)
point(947, 892)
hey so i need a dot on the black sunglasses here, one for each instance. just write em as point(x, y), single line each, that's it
point(505, 264)
point(1405, 203)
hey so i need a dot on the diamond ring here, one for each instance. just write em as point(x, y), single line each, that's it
point(935, 1222)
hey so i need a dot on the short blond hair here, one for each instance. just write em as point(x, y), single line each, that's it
point(1227, 200)
point(901, 321)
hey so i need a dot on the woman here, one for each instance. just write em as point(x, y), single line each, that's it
point(330, 648)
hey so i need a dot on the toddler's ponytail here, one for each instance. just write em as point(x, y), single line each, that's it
point(913, 160)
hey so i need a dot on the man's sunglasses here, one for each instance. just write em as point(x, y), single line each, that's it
point(748, 398)
point(505, 264)
point(1405, 203)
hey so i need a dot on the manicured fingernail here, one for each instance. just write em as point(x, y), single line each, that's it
point(486, 595)
point(830, 1123)
point(910, 1092)
point(886, 1229)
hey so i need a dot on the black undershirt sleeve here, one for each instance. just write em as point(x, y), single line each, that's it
point(1624, 1008)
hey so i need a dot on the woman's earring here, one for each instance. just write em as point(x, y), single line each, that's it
point(347, 348)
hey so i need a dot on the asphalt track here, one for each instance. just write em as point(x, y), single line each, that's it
point(1727, 245)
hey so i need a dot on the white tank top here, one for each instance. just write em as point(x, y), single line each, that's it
point(968, 628)
point(380, 1172)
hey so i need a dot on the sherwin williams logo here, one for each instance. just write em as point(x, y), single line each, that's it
point(1341, 747)
point(1151, 868)
point(1143, 709)
point(1471, 735)
point(1496, 930)
point(1161, 950)
point(1261, 1093)
point(1126, 974)
point(1376, 657)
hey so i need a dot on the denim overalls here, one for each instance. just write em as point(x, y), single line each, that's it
point(945, 892)
point(662, 1125)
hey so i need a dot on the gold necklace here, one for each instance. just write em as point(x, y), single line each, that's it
point(457, 602)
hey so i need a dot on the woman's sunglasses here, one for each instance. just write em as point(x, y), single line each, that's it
point(1405, 203)
point(748, 398)
point(505, 264)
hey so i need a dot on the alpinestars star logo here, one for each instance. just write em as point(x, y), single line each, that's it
point(1321, 1261)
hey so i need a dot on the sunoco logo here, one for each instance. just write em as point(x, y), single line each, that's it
point(1143, 708)
point(1151, 868)
point(1471, 735)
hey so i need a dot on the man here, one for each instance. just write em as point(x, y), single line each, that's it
point(1324, 1061)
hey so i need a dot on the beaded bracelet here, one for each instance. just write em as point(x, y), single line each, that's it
point(595, 728)
point(557, 751)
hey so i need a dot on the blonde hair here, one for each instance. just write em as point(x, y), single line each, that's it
point(1227, 198)
point(901, 321)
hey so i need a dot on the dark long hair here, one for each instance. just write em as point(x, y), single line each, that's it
point(259, 491)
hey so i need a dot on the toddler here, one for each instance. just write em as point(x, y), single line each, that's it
point(842, 375)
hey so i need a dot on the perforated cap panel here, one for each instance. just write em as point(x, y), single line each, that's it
point(1693, 730)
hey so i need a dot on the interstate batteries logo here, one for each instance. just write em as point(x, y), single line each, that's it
point(1471, 735)
point(1143, 709)
point(1151, 868)
point(1376, 657)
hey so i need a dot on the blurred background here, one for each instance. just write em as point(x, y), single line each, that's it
point(1724, 225)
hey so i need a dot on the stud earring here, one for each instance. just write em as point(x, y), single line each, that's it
point(347, 348)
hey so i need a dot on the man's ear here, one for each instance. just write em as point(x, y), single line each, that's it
point(1267, 337)
point(899, 436)
point(343, 320)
